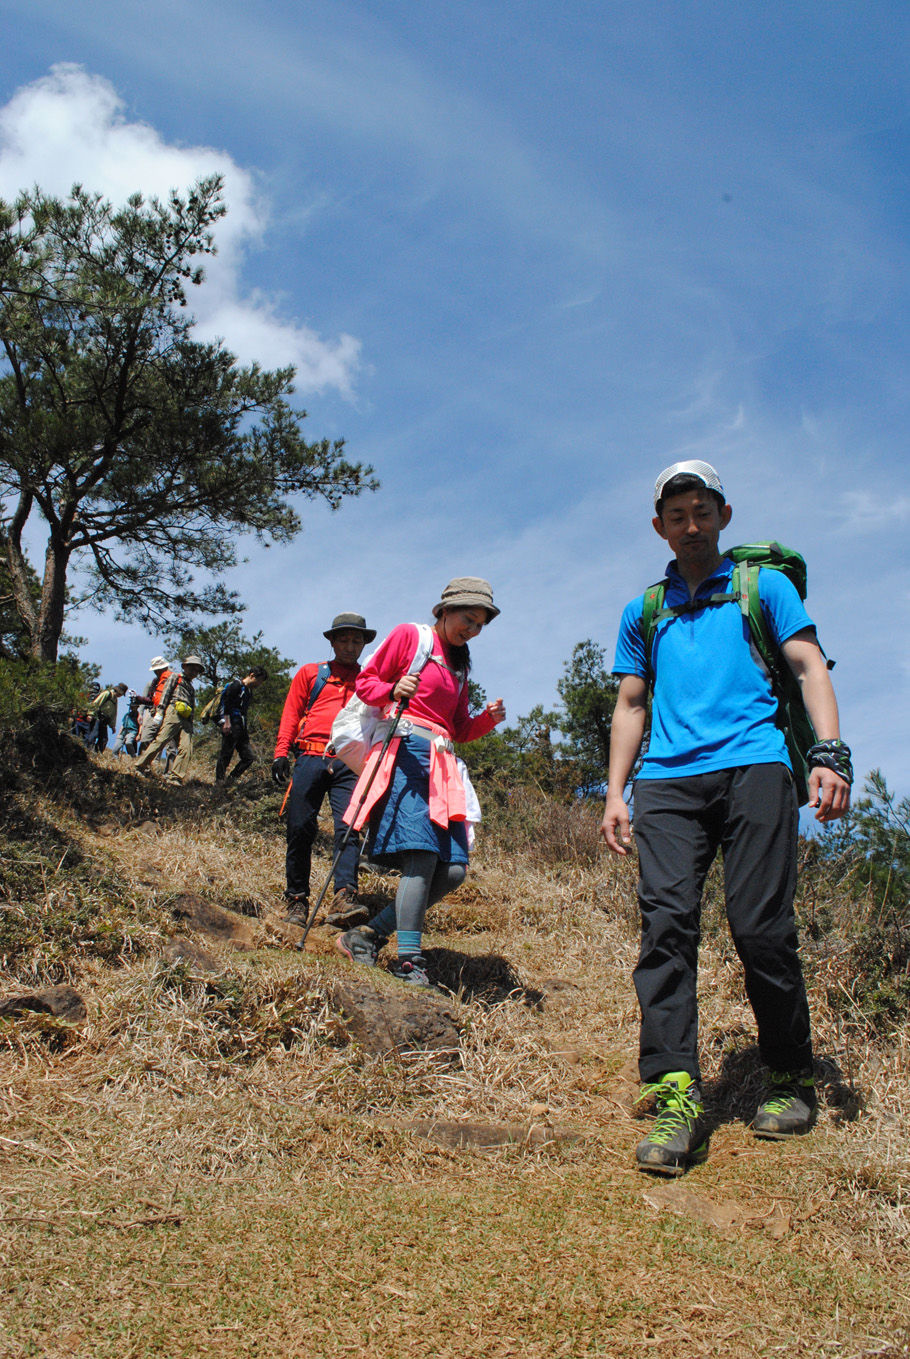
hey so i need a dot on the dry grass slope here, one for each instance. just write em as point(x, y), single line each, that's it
point(206, 1166)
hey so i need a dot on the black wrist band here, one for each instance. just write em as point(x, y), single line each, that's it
point(834, 755)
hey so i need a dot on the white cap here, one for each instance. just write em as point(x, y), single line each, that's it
point(693, 468)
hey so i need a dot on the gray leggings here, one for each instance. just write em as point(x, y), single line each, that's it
point(425, 879)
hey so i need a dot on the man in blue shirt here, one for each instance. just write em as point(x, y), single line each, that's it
point(716, 775)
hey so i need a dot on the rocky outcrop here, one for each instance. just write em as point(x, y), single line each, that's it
point(384, 1021)
point(225, 927)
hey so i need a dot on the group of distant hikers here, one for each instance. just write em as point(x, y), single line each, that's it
point(159, 722)
point(743, 728)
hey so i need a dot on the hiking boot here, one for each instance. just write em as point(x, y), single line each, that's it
point(361, 946)
point(346, 911)
point(680, 1135)
point(790, 1105)
point(412, 970)
point(297, 910)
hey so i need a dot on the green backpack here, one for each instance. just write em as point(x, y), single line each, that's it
point(749, 559)
point(210, 710)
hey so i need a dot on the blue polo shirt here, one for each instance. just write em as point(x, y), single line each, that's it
point(713, 707)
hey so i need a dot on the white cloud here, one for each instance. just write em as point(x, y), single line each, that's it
point(864, 511)
point(254, 332)
point(70, 127)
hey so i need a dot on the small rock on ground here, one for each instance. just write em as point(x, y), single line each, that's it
point(180, 949)
point(60, 1001)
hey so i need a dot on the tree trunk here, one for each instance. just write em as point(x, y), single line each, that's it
point(23, 600)
point(49, 624)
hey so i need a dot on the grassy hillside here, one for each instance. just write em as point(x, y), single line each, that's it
point(206, 1165)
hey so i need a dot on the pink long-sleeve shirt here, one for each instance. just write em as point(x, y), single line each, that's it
point(440, 697)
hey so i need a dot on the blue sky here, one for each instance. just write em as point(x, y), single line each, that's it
point(524, 256)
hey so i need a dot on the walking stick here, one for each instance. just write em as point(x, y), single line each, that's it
point(284, 800)
point(396, 717)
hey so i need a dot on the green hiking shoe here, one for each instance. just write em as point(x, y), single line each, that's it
point(680, 1135)
point(790, 1105)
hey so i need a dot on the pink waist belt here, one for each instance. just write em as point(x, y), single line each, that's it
point(447, 800)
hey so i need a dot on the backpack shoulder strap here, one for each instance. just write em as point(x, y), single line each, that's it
point(651, 613)
point(222, 696)
point(654, 611)
point(424, 648)
point(745, 586)
point(322, 674)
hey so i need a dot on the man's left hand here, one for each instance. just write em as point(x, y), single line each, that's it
point(829, 794)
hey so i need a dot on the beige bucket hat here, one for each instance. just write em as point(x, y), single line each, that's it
point(467, 592)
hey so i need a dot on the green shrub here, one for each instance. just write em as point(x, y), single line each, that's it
point(27, 684)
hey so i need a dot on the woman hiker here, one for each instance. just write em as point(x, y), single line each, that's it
point(416, 804)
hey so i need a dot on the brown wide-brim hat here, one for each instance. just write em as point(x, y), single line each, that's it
point(467, 592)
point(342, 621)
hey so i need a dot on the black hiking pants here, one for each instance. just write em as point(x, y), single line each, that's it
point(237, 740)
point(750, 814)
point(314, 776)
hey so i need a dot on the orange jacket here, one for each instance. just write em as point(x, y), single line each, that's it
point(310, 730)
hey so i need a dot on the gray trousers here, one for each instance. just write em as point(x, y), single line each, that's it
point(750, 814)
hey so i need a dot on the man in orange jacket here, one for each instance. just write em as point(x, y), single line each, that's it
point(317, 693)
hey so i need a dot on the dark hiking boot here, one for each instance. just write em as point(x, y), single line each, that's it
point(297, 910)
point(412, 970)
point(346, 911)
point(790, 1105)
point(680, 1135)
point(361, 946)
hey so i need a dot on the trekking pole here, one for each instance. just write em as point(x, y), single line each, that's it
point(284, 800)
point(396, 717)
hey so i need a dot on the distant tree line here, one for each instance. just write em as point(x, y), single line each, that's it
point(563, 751)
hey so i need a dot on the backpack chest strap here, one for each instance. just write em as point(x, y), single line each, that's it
point(694, 605)
point(655, 611)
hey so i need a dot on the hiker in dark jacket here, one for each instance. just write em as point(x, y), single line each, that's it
point(83, 724)
point(716, 774)
point(232, 723)
point(317, 693)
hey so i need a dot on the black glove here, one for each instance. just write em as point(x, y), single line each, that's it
point(281, 769)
